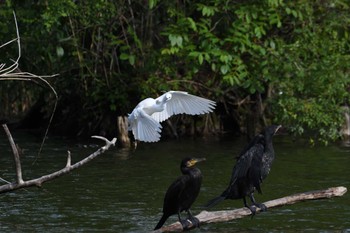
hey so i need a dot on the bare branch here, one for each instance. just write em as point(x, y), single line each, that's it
point(206, 217)
point(14, 66)
point(108, 143)
point(69, 160)
point(68, 168)
point(8, 73)
point(15, 154)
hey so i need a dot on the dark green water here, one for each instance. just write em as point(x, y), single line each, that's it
point(122, 191)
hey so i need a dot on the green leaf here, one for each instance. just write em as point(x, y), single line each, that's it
point(179, 40)
point(124, 56)
point(213, 67)
point(257, 32)
point(192, 24)
point(172, 39)
point(152, 4)
point(200, 59)
point(229, 79)
point(132, 59)
point(175, 40)
point(59, 51)
point(224, 69)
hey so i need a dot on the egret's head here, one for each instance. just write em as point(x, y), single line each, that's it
point(167, 97)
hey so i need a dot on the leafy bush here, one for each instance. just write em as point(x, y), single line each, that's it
point(263, 61)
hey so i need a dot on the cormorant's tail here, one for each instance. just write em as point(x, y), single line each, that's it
point(215, 201)
point(161, 222)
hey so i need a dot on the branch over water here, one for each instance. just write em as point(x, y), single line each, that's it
point(206, 217)
point(39, 181)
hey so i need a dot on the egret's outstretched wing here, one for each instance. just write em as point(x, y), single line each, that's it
point(144, 127)
point(182, 102)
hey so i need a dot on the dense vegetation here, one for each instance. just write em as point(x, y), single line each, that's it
point(262, 61)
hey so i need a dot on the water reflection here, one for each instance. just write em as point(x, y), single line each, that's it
point(122, 190)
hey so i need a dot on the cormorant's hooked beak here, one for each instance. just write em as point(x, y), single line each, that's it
point(278, 127)
point(193, 161)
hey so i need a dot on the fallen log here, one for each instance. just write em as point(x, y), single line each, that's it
point(206, 217)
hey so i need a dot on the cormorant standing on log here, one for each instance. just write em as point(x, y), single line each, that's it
point(182, 193)
point(252, 167)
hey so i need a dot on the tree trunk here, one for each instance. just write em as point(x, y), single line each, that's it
point(345, 131)
point(123, 135)
point(206, 217)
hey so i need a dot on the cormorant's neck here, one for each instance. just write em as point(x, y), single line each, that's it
point(190, 171)
point(268, 143)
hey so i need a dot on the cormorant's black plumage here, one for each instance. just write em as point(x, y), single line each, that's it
point(182, 192)
point(252, 167)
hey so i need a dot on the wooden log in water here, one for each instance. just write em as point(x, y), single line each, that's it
point(206, 217)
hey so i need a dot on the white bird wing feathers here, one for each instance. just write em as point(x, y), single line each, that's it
point(147, 128)
point(182, 102)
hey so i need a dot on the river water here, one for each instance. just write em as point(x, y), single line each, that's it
point(123, 190)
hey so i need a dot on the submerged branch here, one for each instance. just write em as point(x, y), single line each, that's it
point(206, 217)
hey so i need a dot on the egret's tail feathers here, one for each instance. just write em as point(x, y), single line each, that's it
point(146, 129)
point(215, 201)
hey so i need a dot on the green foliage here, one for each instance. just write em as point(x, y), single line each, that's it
point(315, 75)
point(294, 53)
point(112, 53)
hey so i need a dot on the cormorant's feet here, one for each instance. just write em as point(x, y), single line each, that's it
point(195, 221)
point(185, 224)
point(261, 206)
point(188, 223)
point(252, 209)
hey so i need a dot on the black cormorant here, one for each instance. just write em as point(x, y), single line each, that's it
point(182, 193)
point(252, 167)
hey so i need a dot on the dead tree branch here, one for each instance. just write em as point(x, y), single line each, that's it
point(39, 181)
point(15, 155)
point(8, 73)
point(14, 66)
point(206, 217)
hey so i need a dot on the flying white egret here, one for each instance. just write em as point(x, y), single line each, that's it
point(144, 120)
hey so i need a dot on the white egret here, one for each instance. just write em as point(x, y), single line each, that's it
point(144, 120)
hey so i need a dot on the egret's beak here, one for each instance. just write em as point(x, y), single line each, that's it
point(193, 161)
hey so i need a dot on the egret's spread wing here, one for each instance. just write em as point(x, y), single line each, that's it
point(144, 127)
point(182, 102)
